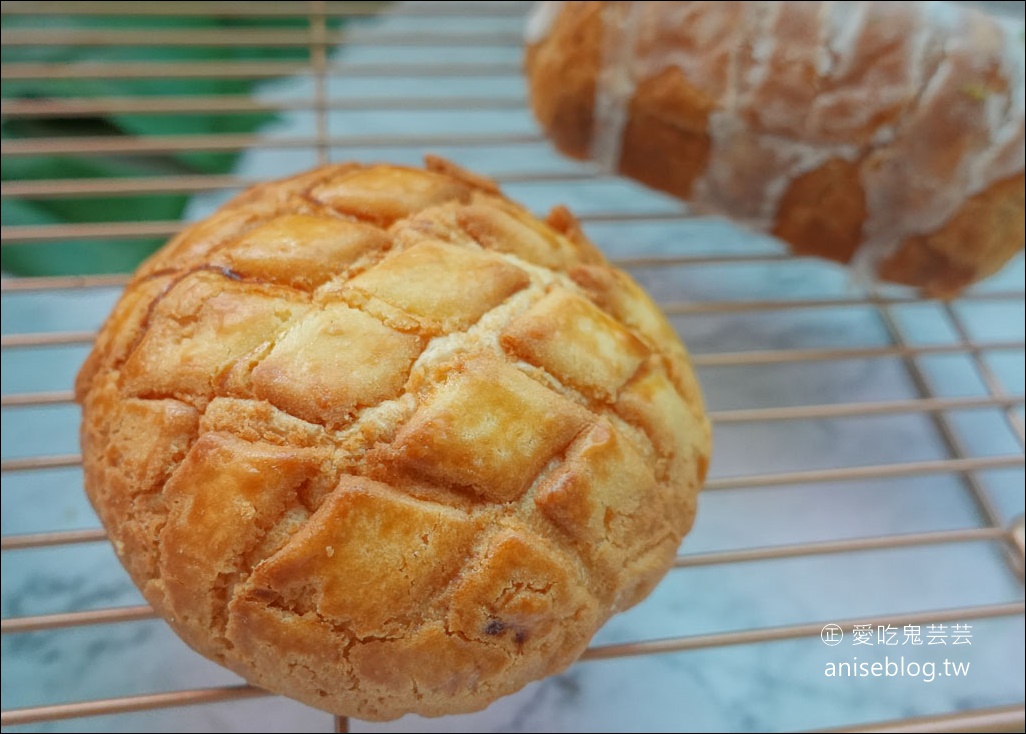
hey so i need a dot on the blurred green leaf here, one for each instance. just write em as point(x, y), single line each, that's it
point(72, 257)
point(120, 256)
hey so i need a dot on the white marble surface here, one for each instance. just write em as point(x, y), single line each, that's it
point(771, 686)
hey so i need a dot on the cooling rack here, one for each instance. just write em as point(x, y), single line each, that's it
point(869, 443)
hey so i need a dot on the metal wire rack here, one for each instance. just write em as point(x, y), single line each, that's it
point(674, 268)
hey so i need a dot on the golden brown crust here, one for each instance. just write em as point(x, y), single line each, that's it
point(379, 439)
point(992, 221)
point(562, 72)
point(577, 343)
point(667, 114)
point(665, 141)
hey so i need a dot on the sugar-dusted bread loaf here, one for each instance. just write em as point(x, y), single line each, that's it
point(885, 134)
point(380, 440)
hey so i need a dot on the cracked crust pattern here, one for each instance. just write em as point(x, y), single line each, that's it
point(378, 439)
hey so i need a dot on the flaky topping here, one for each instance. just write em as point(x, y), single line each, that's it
point(370, 411)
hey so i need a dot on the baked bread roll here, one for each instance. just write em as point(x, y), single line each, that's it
point(888, 135)
point(378, 439)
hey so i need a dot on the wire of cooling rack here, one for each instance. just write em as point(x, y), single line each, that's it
point(316, 40)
